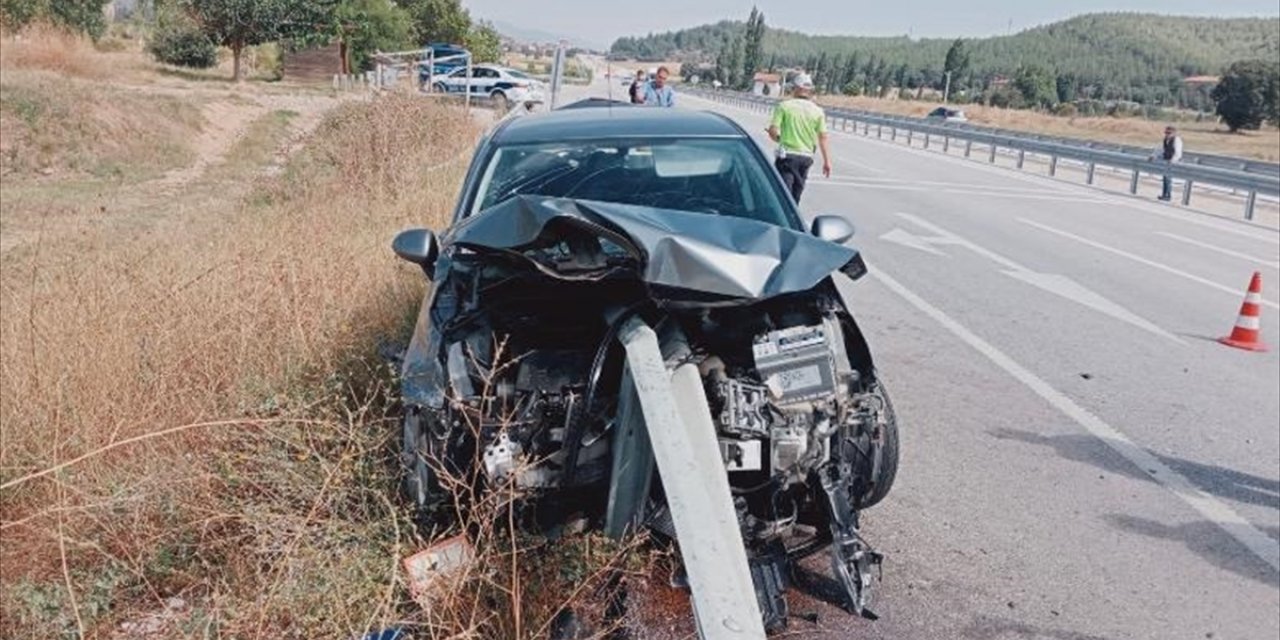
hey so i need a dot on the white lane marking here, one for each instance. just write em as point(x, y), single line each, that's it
point(1217, 512)
point(1226, 252)
point(1059, 285)
point(955, 239)
point(905, 238)
point(1080, 294)
point(959, 192)
point(1141, 260)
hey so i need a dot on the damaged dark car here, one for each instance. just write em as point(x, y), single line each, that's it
point(577, 226)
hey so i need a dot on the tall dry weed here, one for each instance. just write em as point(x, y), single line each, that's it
point(52, 48)
point(199, 413)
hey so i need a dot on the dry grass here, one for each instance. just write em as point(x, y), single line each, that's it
point(49, 48)
point(196, 411)
point(1204, 137)
point(54, 125)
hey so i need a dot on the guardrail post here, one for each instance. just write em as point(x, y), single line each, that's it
point(946, 144)
point(1053, 165)
point(1248, 204)
point(968, 147)
point(993, 153)
point(926, 139)
point(1133, 182)
point(1186, 193)
point(1022, 155)
point(879, 131)
point(910, 134)
point(1088, 174)
point(893, 134)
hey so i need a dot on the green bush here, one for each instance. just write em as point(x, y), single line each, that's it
point(184, 46)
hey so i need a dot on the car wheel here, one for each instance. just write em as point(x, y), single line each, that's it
point(500, 101)
point(439, 88)
point(875, 458)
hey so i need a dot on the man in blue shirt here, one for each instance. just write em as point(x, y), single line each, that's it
point(657, 93)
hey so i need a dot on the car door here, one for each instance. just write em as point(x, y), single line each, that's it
point(456, 82)
point(483, 81)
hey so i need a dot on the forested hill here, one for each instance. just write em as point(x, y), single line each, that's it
point(1124, 49)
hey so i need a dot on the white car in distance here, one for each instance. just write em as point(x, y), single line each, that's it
point(503, 85)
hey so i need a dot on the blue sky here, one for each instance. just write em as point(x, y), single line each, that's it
point(600, 21)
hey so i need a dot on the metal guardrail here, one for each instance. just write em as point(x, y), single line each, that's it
point(1260, 178)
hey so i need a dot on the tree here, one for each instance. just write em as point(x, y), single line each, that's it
point(722, 61)
point(483, 42)
point(956, 62)
point(733, 64)
point(1248, 93)
point(1037, 85)
point(835, 70)
point(850, 71)
point(240, 23)
point(753, 44)
point(438, 21)
point(84, 16)
point(362, 27)
point(1067, 85)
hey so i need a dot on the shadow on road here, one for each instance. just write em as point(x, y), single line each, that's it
point(1206, 540)
point(1225, 483)
point(993, 628)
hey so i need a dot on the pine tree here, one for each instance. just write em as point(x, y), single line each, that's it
point(835, 69)
point(956, 62)
point(733, 64)
point(753, 44)
point(850, 72)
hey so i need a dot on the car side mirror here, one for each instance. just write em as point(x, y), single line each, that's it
point(832, 229)
point(418, 246)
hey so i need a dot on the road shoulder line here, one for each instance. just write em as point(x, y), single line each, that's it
point(1217, 512)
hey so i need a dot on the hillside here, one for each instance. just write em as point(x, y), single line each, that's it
point(1115, 50)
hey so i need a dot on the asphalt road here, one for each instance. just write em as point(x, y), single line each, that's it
point(1081, 459)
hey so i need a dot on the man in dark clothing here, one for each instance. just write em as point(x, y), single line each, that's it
point(1170, 151)
point(637, 88)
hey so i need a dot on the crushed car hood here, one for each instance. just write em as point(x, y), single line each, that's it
point(707, 253)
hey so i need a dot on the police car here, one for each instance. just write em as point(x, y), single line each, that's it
point(502, 85)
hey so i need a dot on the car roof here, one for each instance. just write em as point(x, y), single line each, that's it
point(609, 122)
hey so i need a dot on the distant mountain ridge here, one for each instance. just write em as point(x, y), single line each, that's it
point(1130, 49)
point(531, 35)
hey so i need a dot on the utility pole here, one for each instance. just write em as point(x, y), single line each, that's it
point(946, 90)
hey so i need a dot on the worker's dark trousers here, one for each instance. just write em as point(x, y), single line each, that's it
point(794, 170)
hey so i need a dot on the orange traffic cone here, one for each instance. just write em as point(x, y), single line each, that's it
point(1247, 332)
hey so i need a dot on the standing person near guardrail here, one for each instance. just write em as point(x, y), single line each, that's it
point(799, 126)
point(657, 93)
point(637, 88)
point(1170, 150)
